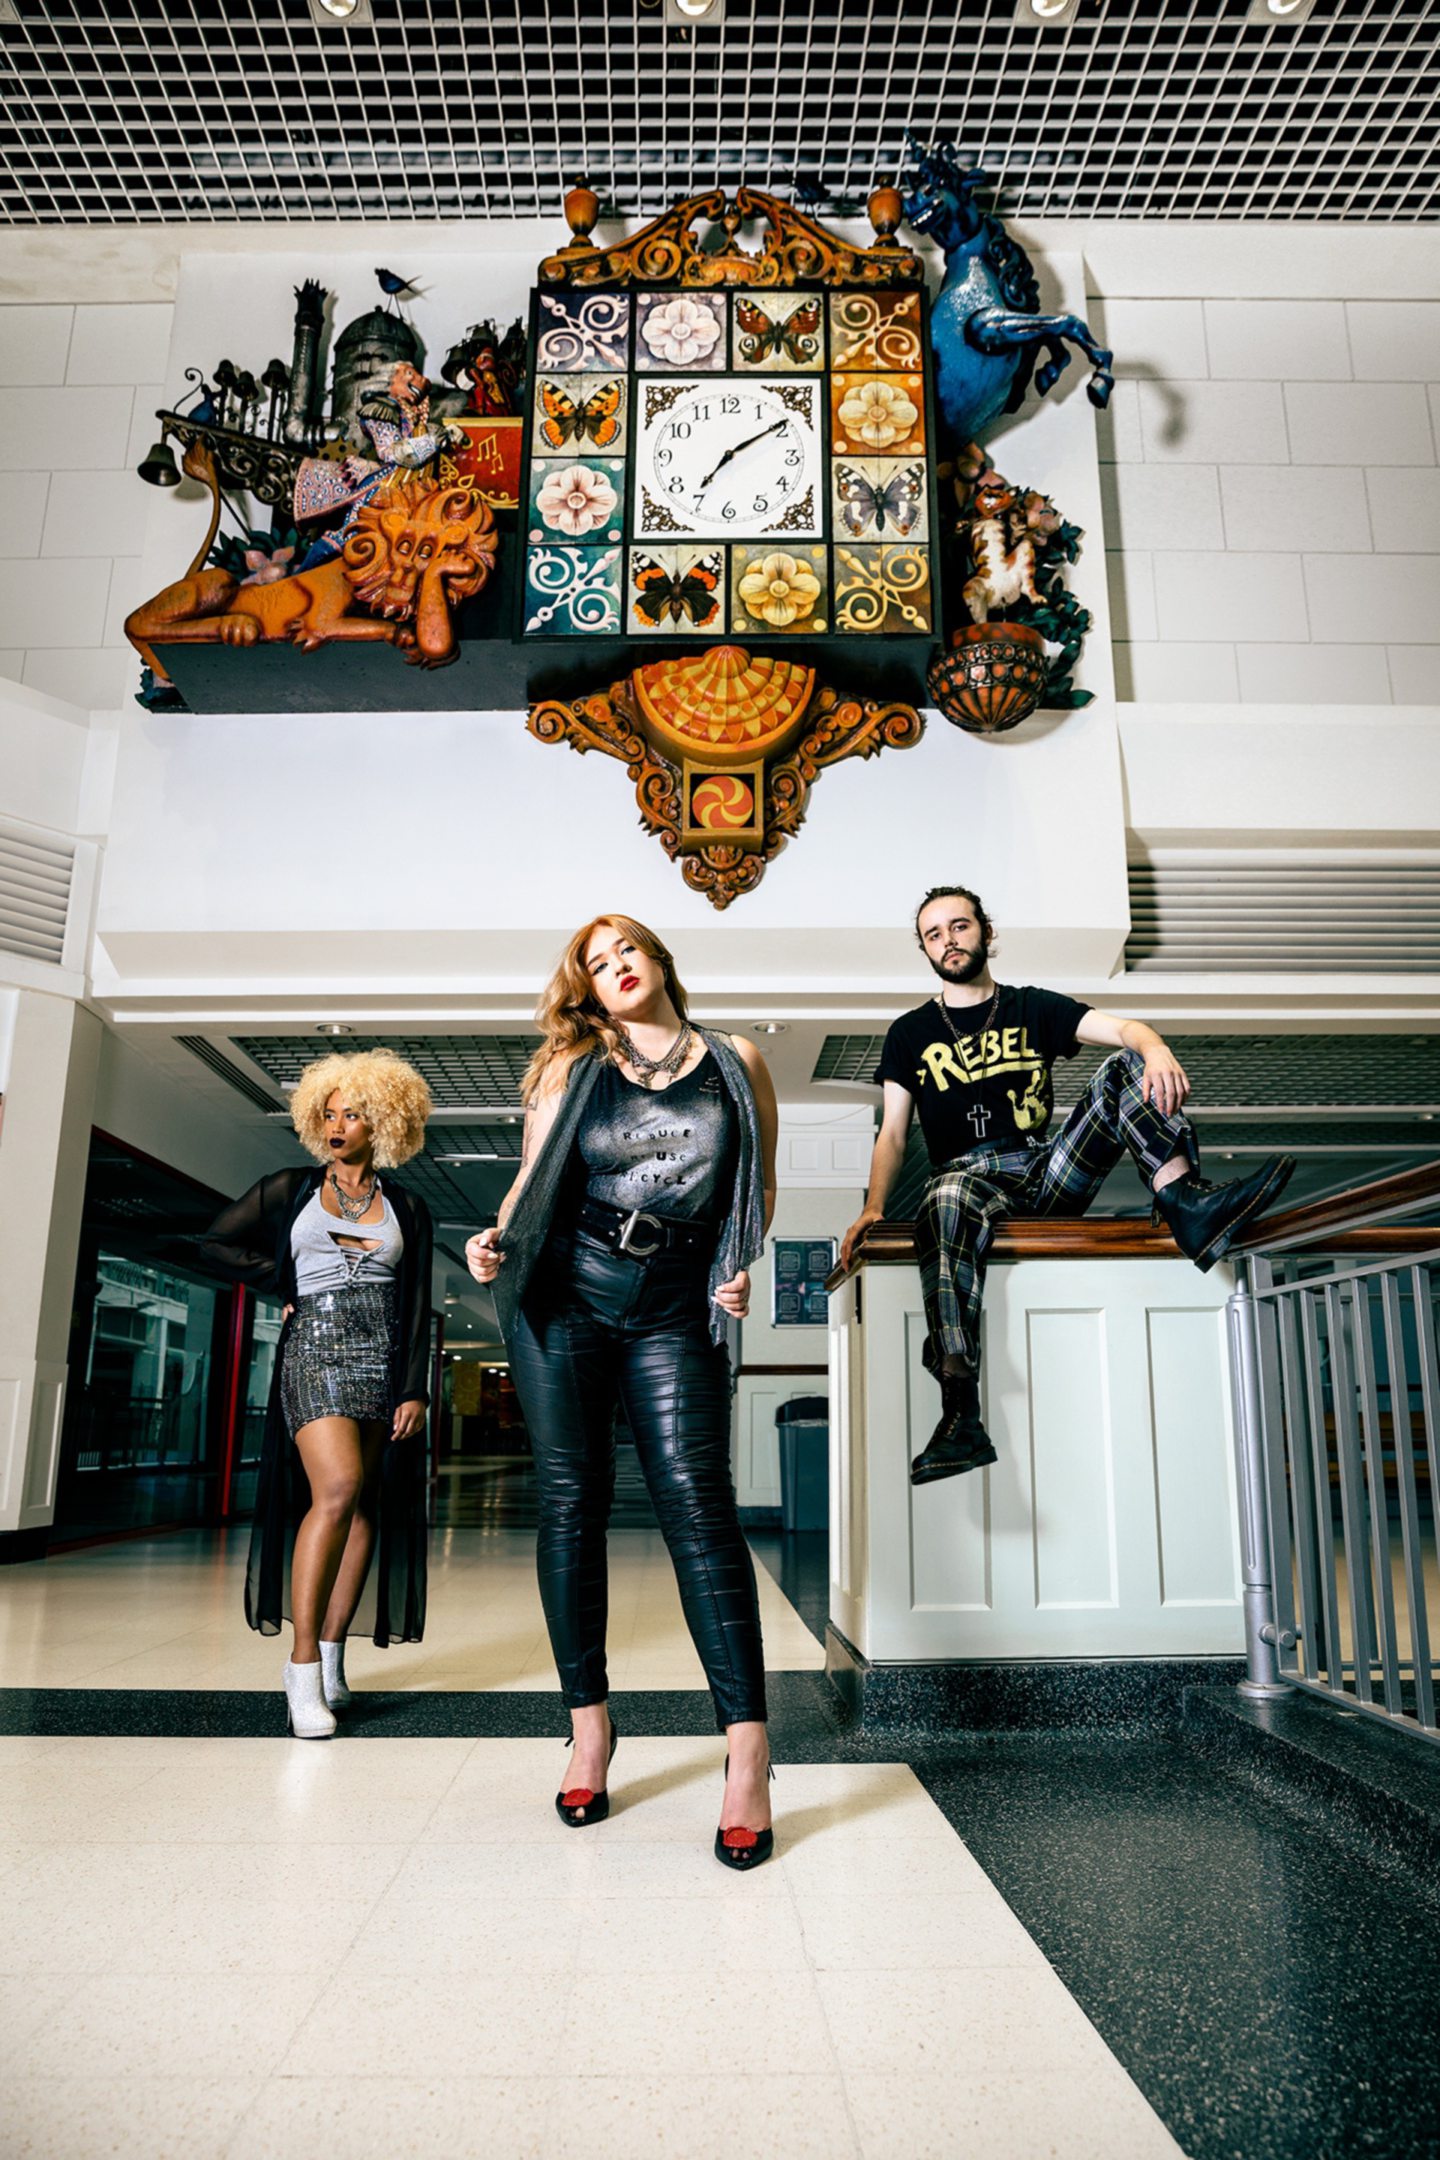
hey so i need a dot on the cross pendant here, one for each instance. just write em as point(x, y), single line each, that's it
point(980, 1118)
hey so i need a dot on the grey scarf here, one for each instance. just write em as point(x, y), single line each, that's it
point(742, 1235)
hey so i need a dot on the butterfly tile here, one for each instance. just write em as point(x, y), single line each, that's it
point(877, 415)
point(683, 331)
point(885, 589)
point(577, 414)
point(572, 591)
point(780, 332)
point(871, 332)
point(778, 591)
point(575, 499)
point(574, 333)
point(679, 589)
point(880, 498)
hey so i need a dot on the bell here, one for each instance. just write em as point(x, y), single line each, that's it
point(159, 467)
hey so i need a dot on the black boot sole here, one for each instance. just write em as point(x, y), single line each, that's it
point(923, 1473)
point(1220, 1244)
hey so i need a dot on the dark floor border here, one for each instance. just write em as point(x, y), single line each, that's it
point(1111, 1695)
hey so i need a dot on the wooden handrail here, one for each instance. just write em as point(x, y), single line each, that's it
point(1061, 1237)
point(1342, 1218)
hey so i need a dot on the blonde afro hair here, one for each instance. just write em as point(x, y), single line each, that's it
point(389, 1094)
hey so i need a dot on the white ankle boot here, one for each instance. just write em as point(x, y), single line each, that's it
point(309, 1716)
point(332, 1668)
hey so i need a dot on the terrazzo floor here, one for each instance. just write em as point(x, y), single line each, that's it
point(215, 1941)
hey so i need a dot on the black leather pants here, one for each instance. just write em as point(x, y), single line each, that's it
point(600, 1328)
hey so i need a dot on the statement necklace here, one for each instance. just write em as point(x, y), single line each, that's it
point(352, 1210)
point(646, 1068)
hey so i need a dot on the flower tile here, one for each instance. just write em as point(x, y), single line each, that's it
point(877, 415)
point(685, 331)
point(778, 591)
point(577, 499)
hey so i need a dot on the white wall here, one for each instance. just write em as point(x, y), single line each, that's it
point(1273, 498)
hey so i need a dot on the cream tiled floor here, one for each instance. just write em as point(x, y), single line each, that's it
point(166, 1613)
point(268, 1951)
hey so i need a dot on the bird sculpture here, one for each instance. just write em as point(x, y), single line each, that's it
point(395, 288)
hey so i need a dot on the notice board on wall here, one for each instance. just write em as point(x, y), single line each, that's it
point(798, 1297)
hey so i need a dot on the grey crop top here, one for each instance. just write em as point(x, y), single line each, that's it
point(323, 1263)
point(670, 1152)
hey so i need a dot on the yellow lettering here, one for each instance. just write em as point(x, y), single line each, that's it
point(992, 1052)
point(1010, 1044)
point(940, 1062)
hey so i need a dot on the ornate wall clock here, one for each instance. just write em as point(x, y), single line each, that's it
point(727, 444)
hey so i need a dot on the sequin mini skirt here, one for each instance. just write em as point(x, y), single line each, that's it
point(337, 1355)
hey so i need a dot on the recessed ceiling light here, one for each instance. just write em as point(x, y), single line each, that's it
point(1268, 12)
point(769, 1027)
point(1046, 14)
point(487, 1155)
point(333, 1027)
point(332, 14)
point(688, 14)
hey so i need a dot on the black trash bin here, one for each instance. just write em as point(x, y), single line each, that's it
point(804, 1427)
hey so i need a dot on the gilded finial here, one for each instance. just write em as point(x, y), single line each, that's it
point(582, 208)
point(887, 209)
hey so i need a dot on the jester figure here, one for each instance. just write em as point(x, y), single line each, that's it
point(324, 488)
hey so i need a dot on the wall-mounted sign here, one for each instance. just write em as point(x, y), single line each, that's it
point(798, 1297)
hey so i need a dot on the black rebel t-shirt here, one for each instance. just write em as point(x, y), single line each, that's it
point(991, 1088)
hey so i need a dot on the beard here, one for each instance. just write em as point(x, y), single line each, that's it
point(962, 966)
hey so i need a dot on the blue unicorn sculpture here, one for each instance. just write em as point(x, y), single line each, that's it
point(986, 326)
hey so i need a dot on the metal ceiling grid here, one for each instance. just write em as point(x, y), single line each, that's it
point(123, 111)
point(465, 1072)
point(1281, 918)
point(1315, 1072)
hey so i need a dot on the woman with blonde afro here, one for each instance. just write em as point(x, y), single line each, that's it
point(340, 1505)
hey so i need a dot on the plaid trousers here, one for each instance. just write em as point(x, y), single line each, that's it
point(1059, 1176)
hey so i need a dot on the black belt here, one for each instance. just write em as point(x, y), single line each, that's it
point(639, 1234)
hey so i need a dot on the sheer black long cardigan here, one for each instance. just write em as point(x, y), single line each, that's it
point(250, 1241)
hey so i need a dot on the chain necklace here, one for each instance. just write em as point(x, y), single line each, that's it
point(979, 1116)
point(646, 1068)
point(352, 1210)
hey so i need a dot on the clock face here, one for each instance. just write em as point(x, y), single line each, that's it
point(728, 456)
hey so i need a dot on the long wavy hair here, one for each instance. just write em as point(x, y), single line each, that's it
point(572, 1021)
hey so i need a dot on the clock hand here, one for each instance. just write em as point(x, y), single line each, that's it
point(773, 429)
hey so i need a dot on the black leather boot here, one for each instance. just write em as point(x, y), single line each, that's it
point(1203, 1219)
point(959, 1442)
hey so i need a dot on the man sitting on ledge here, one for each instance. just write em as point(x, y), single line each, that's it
point(976, 1059)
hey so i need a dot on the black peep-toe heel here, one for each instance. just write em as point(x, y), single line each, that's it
point(741, 1848)
point(579, 1807)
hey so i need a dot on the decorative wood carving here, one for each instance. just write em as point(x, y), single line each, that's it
point(795, 249)
point(724, 834)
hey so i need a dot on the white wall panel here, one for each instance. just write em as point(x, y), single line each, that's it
point(1106, 1527)
point(1207, 423)
point(1394, 597)
point(34, 346)
point(119, 342)
point(1282, 509)
point(1230, 596)
point(1313, 674)
point(1072, 1466)
point(1395, 340)
point(1279, 340)
point(1352, 424)
point(1193, 1456)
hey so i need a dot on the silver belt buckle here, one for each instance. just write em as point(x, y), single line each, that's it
point(627, 1235)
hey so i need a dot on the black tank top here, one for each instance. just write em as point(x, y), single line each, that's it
point(670, 1151)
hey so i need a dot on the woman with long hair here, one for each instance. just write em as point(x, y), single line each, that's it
point(340, 1505)
point(646, 1186)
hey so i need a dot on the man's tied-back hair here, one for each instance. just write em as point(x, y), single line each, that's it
point(956, 892)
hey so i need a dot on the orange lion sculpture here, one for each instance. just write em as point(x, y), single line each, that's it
point(417, 550)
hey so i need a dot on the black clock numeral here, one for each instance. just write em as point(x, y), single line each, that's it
point(675, 486)
point(762, 503)
point(663, 457)
point(728, 511)
point(682, 430)
point(730, 405)
point(792, 456)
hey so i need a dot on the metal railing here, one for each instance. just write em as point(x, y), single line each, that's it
point(1336, 1388)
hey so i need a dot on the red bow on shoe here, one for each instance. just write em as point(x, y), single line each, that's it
point(578, 1796)
point(739, 1840)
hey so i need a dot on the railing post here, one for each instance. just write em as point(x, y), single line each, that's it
point(1262, 1680)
